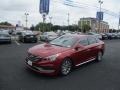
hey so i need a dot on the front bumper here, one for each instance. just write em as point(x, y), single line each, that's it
point(5, 40)
point(46, 68)
point(30, 39)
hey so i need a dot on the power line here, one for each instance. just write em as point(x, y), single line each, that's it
point(83, 5)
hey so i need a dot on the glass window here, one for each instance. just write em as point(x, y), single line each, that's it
point(64, 41)
point(97, 40)
point(92, 40)
point(84, 42)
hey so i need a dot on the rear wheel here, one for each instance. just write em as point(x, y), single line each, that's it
point(23, 40)
point(66, 67)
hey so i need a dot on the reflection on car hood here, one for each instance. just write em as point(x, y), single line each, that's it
point(45, 50)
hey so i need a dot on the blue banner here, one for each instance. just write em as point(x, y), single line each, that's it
point(44, 6)
point(99, 15)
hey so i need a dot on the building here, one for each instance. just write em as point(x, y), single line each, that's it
point(19, 28)
point(6, 27)
point(95, 24)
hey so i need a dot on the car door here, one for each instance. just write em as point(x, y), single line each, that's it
point(93, 47)
point(82, 54)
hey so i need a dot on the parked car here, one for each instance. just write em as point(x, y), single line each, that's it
point(48, 36)
point(104, 36)
point(5, 37)
point(27, 36)
point(110, 35)
point(64, 53)
point(95, 34)
point(116, 35)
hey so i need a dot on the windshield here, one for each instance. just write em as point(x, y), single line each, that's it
point(49, 33)
point(3, 33)
point(28, 33)
point(64, 41)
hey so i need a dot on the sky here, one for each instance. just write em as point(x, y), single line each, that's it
point(14, 11)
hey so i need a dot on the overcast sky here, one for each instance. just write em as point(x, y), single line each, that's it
point(13, 11)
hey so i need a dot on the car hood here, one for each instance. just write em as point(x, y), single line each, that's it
point(44, 50)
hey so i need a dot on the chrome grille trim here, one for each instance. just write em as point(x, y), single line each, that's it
point(33, 58)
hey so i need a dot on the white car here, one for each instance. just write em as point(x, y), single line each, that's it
point(95, 34)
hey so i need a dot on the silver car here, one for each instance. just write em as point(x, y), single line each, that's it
point(5, 37)
point(95, 34)
point(48, 36)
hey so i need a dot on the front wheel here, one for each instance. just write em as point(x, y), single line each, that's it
point(99, 56)
point(66, 67)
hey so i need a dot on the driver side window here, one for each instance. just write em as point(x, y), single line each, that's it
point(84, 42)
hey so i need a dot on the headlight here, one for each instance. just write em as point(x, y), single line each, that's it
point(53, 57)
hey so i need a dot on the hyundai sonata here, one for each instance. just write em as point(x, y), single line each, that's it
point(64, 53)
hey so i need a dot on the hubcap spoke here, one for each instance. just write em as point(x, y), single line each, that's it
point(66, 67)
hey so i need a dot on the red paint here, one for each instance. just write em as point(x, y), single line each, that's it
point(84, 54)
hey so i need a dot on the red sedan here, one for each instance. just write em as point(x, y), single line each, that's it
point(64, 53)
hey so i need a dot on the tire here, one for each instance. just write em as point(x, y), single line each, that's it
point(66, 67)
point(10, 42)
point(35, 41)
point(23, 41)
point(99, 57)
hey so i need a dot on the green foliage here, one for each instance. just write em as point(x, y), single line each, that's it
point(43, 27)
point(6, 23)
point(50, 27)
point(32, 28)
point(86, 28)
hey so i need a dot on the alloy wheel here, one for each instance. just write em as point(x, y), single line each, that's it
point(66, 67)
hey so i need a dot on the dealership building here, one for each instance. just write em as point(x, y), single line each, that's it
point(6, 27)
point(95, 24)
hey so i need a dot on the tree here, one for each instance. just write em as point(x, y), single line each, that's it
point(6, 23)
point(56, 27)
point(32, 28)
point(86, 28)
point(44, 27)
point(50, 27)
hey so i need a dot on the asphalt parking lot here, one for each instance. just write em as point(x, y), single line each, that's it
point(104, 75)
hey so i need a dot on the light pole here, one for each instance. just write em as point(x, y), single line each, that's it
point(68, 20)
point(100, 2)
point(26, 20)
point(50, 22)
point(44, 21)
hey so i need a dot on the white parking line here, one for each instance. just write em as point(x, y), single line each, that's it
point(17, 43)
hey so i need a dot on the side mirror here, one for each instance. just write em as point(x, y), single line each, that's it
point(77, 47)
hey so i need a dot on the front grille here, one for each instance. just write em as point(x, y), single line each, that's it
point(33, 58)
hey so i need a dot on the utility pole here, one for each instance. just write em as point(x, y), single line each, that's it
point(100, 2)
point(26, 20)
point(68, 20)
